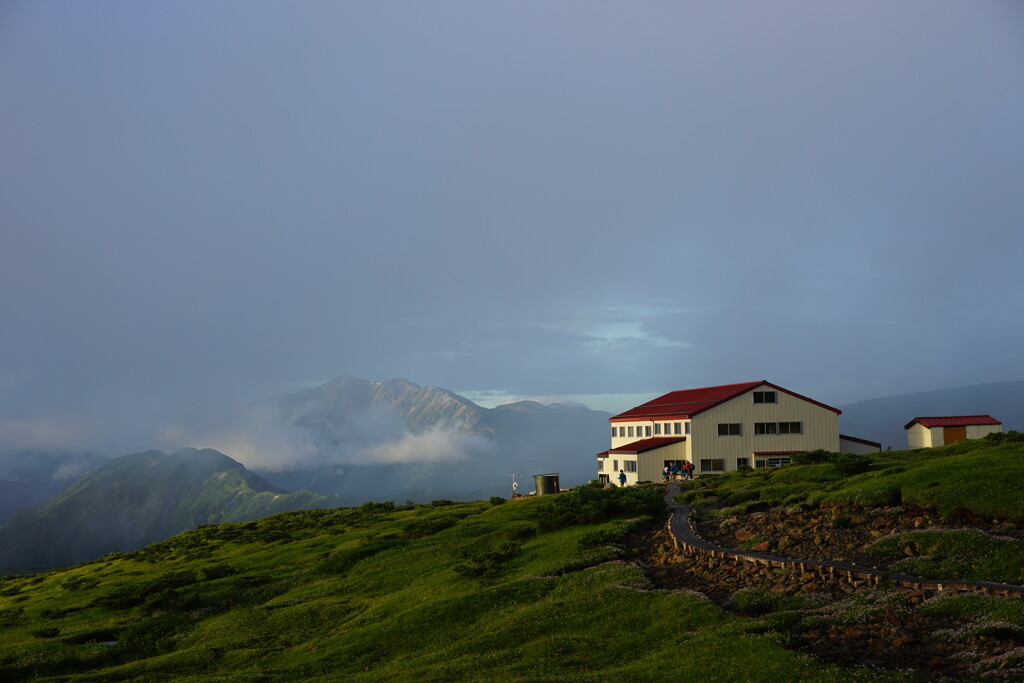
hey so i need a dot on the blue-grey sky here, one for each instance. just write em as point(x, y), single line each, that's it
point(203, 203)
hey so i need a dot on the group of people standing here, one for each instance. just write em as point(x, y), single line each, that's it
point(675, 469)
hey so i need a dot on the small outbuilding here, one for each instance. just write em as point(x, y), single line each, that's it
point(851, 444)
point(928, 432)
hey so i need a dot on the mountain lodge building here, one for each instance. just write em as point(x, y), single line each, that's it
point(758, 424)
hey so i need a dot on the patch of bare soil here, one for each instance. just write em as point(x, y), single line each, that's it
point(854, 627)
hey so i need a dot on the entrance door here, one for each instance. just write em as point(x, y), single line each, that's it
point(953, 434)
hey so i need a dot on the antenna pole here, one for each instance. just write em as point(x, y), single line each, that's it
point(515, 484)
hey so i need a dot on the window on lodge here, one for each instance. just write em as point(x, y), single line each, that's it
point(764, 397)
point(677, 428)
point(629, 465)
point(778, 428)
point(740, 462)
point(712, 464)
point(657, 429)
point(615, 432)
point(729, 429)
point(647, 430)
point(600, 464)
point(630, 430)
point(773, 462)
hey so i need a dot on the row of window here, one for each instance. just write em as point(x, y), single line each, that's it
point(627, 465)
point(658, 429)
point(724, 428)
point(706, 464)
point(735, 429)
point(778, 428)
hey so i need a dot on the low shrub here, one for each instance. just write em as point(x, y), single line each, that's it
point(44, 632)
point(585, 505)
point(343, 560)
point(753, 602)
point(997, 438)
point(843, 522)
point(851, 463)
point(489, 564)
point(817, 456)
point(218, 571)
point(418, 528)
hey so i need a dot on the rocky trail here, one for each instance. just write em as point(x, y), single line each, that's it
point(835, 621)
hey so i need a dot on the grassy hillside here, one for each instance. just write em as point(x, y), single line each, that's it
point(140, 499)
point(977, 483)
point(528, 590)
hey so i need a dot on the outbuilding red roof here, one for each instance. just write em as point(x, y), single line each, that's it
point(953, 421)
point(645, 445)
point(688, 402)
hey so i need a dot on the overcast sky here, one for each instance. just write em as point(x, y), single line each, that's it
point(204, 203)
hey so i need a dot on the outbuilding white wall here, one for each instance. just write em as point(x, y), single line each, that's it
point(848, 446)
point(919, 436)
point(979, 431)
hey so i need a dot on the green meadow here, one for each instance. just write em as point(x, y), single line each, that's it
point(530, 590)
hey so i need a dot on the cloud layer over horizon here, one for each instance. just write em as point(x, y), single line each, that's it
point(203, 204)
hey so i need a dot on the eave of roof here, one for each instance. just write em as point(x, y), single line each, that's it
point(953, 421)
point(686, 403)
point(644, 445)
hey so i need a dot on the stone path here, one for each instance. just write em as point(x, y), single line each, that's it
point(689, 542)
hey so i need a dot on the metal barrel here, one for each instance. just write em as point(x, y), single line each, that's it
point(546, 484)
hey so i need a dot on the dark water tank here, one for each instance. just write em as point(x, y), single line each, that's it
point(546, 484)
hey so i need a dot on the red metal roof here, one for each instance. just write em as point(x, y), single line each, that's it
point(863, 441)
point(953, 421)
point(778, 452)
point(650, 444)
point(688, 402)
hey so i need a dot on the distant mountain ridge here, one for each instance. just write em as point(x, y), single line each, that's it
point(420, 407)
point(140, 499)
point(348, 413)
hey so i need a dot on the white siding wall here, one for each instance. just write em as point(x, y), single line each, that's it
point(631, 477)
point(820, 428)
point(919, 436)
point(649, 463)
point(979, 431)
point(653, 462)
point(856, 447)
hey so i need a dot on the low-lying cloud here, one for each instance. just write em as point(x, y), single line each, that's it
point(435, 445)
point(272, 438)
